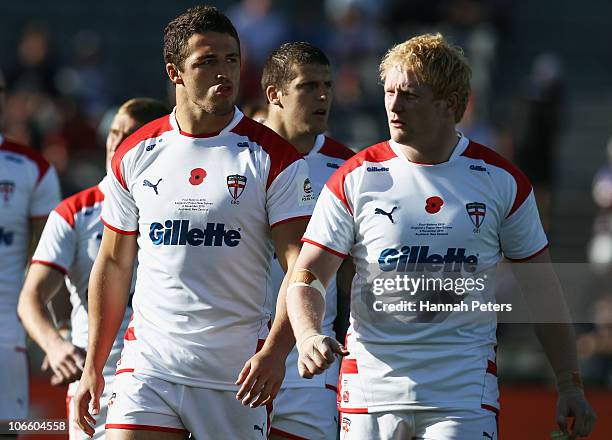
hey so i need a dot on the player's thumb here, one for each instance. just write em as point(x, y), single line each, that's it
point(95, 404)
point(562, 420)
point(45, 364)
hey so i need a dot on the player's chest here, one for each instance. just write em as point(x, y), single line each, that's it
point(433, 211)
point(202, 184)
point(320, 169)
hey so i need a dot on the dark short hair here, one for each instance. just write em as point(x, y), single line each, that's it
point(196, 20)
point(279, 70)
point(144, 110)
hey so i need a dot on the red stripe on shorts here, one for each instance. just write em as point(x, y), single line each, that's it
point(143, 427)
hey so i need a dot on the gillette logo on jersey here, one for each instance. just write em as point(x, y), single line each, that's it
point(418, 259)
point(178, 233)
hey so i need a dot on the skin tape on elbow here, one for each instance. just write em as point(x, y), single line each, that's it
point(305, 278)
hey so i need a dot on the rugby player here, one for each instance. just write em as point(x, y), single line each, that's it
point(67, 249)
point(297, 82)
point(204, 195)
point(427, 201)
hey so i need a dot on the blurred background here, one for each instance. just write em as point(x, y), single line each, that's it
point(542, 97)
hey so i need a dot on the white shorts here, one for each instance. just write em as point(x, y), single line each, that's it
point(305, 413)
point(74, 433)
point(13, 383)
point(141, 402)
point(480, 424)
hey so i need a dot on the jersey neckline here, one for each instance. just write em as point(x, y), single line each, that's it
point(316, 147)
point(461, 146)
point(234, 121)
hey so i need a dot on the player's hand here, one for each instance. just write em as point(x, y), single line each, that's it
point(261, 378)
point(87, 401)
point(575, 405)
point(66, 361)
point(318, 353)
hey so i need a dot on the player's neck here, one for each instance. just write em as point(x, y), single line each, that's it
point(431, 151)
point(303, 142)
point(196, 121)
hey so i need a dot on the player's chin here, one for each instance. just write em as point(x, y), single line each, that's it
point(399, 135)
point(221, 107)
point(317, 126)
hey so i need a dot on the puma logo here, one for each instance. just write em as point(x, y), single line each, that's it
point(258, 428)
point(147, 183)
point(388, 214)
point(487, 435)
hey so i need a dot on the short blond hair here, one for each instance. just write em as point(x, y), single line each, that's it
point(435, 63)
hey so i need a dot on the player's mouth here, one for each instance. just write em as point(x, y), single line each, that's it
point(320, 112)
point(224, 90)
point(397, 123)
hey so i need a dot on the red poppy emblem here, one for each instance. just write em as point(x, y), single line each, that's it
point(434, 204)
point(197, 176)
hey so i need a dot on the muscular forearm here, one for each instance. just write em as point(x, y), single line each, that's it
point(37, 322)
point(549, 312)
point(40, 287)
point(281, 336)
point(109, 287)
point(559, 344)
point(305, 307)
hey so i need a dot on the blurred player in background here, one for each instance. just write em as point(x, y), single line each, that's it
point(297, 83)
point(68, 248)
point(427, 202)
point(29, 190)
point(205, 195)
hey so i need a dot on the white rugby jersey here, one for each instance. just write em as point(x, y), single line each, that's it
point(395, 217)
point(29, 189)
point(70, 243)
point(323, 160)
point(203, 207)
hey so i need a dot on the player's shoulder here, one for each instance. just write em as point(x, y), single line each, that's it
point(491, 158)
point(80, 202)
point(370, 156)
point(19, 152)
point(377, 153)
point(335, 149)
point(270, 141)
point(148, 131)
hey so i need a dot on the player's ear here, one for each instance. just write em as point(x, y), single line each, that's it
point(452, 104)
point(273, 95)
point(174, 74)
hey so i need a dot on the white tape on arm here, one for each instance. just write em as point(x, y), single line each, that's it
point(305, 278)
point(316, 284)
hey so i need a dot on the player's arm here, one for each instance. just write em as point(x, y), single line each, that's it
point(286, 238)
point(544, 298)
point(42, 284)
point(109, 288)
point(344, 279)
point(306, 307)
